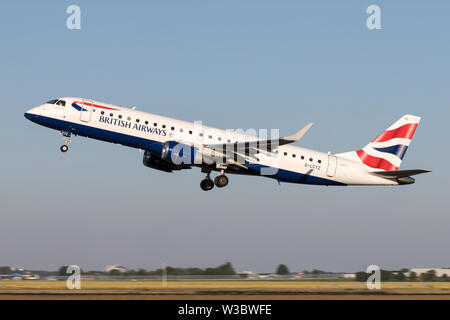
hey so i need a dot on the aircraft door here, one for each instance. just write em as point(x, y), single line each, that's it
point(332, 164)
point(86, 110)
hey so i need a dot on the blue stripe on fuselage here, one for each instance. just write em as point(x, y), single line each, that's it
point(290, 176)
point(77, 107)
point(155, 146)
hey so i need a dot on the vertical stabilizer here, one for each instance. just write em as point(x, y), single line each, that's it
point(387, 150)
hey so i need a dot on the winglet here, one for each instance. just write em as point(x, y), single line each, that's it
point(297, 136)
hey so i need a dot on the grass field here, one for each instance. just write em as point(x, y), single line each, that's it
point(212, 289)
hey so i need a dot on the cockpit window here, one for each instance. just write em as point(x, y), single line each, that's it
point(52, 101)
point(61, 103)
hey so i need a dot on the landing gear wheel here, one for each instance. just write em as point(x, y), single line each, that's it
point(66, 135)
point(206, 184)
point(221, 181)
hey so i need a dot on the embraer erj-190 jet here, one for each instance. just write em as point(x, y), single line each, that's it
point(171, 144)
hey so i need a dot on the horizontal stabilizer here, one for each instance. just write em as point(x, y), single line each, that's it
point(399, 173)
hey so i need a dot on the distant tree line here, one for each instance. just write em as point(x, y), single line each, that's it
point(403, 275)
point(283, 269)
point(316, 271)
point(224, 269)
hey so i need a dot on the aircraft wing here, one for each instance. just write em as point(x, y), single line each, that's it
point(239, 152)
point(265, 146)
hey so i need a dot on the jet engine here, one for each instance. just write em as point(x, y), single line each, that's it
point(157, 163)
point(180, 153)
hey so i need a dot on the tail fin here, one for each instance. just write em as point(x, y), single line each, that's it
point(387, 150)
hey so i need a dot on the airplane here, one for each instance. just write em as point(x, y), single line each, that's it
point(171, 145)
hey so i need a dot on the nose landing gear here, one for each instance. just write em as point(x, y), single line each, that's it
point(66, 136)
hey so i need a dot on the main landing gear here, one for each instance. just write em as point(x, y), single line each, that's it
point(207, 184)
point(66, 136)
point(220, 181)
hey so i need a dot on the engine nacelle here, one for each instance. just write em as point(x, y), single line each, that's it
point(180, 153)
point(160, 164)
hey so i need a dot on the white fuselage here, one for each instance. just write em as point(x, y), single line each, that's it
point(144, 130)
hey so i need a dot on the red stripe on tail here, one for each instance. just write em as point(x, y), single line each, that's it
point(375, 162)
point(406, 131)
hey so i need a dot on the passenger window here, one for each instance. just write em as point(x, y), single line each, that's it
point(129, 118)
point(285, 153)
point(210, 136)
point(120, 116)
point(310, 159)
point(190, 131)
point(293, 155)
point(111, 115)
point(172, 128)
point(164, 126)
point(146, 122)
point(181, 129)
point(103, 112)
point(302, 157)
point(155, 124)
point(219, 138)
point(137, 120)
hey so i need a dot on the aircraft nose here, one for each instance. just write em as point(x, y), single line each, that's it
point(27, 115)
point(32, 114)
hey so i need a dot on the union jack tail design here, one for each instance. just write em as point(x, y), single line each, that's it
point(386, 151)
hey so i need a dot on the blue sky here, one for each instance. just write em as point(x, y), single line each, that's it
point(231, 64)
